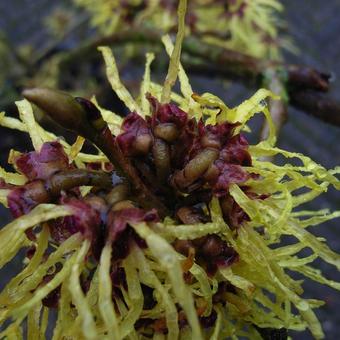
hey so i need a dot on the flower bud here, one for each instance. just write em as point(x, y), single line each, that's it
point(60, 106)
point(166, 131)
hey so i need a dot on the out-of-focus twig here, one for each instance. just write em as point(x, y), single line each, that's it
point(241, 65)
point(228, 61)
point(204, 58)
point(207, 59)
point(48, 49)
point(278, 107)
point(318, 105)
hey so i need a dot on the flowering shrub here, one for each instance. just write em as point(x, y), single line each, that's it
point(247, 26)
point(173, 229)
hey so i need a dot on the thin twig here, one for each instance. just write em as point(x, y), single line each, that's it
point(317, 104)
point(226, 60)
point(213, 60)
point(48, 49)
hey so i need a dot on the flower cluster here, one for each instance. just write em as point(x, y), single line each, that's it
point(247, 26)
point(173, 229)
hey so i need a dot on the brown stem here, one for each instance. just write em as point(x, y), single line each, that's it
point(42, 54)
point(82, 117)
point(144, 196)
point(318, 105)
point(242, 65)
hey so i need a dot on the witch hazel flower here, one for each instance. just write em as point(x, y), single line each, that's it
point(173, 229)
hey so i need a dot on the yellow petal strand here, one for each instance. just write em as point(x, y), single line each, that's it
point(113, 76)
point(106, 306)
point(12, 123)
point(12, 235)
point(59, 277)
point(145, 86)
point(26, 115)
point(33, 329)
point(176, 54)
point(148, 277)
point(168, 259)
point(76, 148)
point(88, 324)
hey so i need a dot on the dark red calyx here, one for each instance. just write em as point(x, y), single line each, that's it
point(136, 137)
point(52, 299)
point(225, 259)
point(4, 185)
point(216, 253)
point(44, 163)
point(31, 251)
point(215, 135)
point(229, 174)
point(233, 214)
point(166, 113)
point(85, 219)
point(118, 221)
point(22, 200)
point(121, 234)
point(236, 151)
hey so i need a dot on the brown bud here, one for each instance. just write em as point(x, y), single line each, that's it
point(198, 242)
point(195, 168)
point(97, 203)
point(166, 131)
point(213, 246)
point(66, 180)
point(78, 115)
point(210, 142)
point(60, 106)
point(123, 205)
point(117, 194)
point(178, 180)
point(161, 155)
point(183, 246)
point(198, 165)
point(188, 215)
point(212, 173)
point(142, 144)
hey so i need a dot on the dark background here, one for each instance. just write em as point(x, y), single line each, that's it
point(314, 26)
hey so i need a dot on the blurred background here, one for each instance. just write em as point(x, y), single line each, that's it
point(52, 43)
